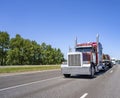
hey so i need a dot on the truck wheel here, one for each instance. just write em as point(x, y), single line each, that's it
point(105, 68)
point(110, 65)
point(92, 72)
point(66, 75)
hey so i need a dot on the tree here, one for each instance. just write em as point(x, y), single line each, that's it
point(13, 57)
point(35, 56)
point(51, 55)
point(58, 56)
point(24, 51)
point(15, 54)
point(27, 51)
point(4, 46)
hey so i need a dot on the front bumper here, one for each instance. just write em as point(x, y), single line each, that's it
point(76, 70)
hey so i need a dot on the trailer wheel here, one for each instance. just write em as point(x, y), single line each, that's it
point(92, 72)
point(66, 75)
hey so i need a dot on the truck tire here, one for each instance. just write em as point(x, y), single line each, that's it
point(66, 75)
point(105, 68)
point(92, 72)
point(110, 65)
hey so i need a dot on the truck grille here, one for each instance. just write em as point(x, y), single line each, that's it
point(74, 60)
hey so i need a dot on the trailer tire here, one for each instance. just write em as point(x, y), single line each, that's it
point(92, 72)
point(66, 75)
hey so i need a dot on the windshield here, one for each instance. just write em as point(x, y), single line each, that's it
point(84, 49)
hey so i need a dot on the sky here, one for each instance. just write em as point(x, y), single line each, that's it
point(59, 22)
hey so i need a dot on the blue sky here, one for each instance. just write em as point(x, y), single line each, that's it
point(58, 22)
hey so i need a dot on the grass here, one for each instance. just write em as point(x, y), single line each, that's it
point(13, 69)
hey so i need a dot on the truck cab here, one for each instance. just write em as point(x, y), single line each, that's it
point(83, 61)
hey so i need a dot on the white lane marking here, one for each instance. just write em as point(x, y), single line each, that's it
point(111, 71)
point(83, 96)
point(26, 84)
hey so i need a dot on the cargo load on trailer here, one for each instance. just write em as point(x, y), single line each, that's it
point(107, 60)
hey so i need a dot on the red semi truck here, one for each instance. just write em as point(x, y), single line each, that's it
point(87, 59)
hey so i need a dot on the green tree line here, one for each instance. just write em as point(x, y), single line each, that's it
point(20, 51)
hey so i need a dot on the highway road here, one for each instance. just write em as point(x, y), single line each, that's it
point(51, 84)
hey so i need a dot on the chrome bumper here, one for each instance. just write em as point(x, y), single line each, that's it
point(75, 70)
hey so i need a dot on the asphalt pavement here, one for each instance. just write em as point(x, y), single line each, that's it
point(52, 84)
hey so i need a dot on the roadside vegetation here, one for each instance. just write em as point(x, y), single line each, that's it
point(14, 69)
point(20, 51)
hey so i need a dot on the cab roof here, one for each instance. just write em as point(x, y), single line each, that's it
point(89, 44)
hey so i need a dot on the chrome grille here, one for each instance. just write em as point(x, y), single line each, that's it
point(74, 60)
